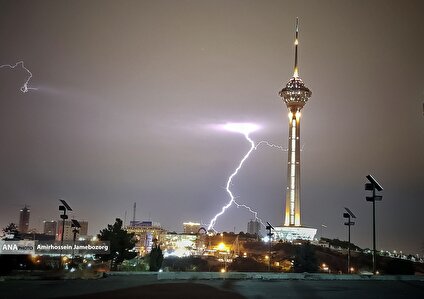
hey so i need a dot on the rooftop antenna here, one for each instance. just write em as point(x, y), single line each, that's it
point(296, 43)
point(134, 208)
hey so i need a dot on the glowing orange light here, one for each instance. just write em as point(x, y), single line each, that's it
point(221, 246)
point(298, 114)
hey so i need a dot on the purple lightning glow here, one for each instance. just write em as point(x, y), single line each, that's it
point(24, 87)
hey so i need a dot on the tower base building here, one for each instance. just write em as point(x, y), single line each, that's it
point(291, 233)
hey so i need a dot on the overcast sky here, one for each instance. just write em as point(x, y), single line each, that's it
point(127, 91)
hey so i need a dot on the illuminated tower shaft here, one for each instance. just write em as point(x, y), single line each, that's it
point(295, 95)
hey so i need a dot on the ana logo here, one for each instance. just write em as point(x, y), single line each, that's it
point(10, 247)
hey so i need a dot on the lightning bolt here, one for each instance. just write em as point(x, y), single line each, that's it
point(25, 88)
point(271, 145)
point(244, 129)
point(229, 181)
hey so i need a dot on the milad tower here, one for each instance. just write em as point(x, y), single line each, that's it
point(295, 94)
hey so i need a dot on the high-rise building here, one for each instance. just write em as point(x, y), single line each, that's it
point(50, 228)
point(24, 220)
point(253, 227)
point(145, 232)
point(295, 95)
point(84, 228)
point(191, 227)
point(68, 234)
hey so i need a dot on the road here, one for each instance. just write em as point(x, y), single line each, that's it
point(148, 287)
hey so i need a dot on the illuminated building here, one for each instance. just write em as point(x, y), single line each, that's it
point(295, 95)
point(24, 220)
point(191, 227)
point(145, 232)
point(68, 234)
point(181, 244)
point(49, 228)
point(253, 227)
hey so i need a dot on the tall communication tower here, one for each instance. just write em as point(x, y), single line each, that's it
point(295, 95)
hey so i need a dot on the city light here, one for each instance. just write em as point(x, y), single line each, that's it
point(221, 246)
point(325, 267)
point(298, 114)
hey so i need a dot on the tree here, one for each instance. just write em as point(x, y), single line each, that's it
point(155, 257)
point(187, 263)
point(247, 264)
point(305, 260)
point(12, 230)
point(399, 266)
point(121, 244)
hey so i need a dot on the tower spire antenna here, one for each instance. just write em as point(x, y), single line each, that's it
point(296, 43)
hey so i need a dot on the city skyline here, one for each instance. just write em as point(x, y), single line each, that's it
point(126, 94)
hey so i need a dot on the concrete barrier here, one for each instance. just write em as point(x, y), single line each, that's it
point(268, 276)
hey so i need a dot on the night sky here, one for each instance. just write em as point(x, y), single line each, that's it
point(128, 91)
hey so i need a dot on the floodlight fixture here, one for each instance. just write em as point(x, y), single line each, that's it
point(350, 212)
point(369, 186)
point(269, 226)
point(374, 182)
point(65, 204)
point(75, 223)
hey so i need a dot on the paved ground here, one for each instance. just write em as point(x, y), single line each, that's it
point(149, 287)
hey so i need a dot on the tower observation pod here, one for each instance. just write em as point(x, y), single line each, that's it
point(295, 95)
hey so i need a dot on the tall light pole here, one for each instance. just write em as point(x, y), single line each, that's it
point(75, 229)
point(269, 227)
point(63, 207)
point(373, 185)
point(322, 230)
point(348, 215)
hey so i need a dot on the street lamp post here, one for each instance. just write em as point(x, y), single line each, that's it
point(348, 215)
point(373, 185)
point(322, 230)
point(63, 207)
point(269, 227)
point(75, 229)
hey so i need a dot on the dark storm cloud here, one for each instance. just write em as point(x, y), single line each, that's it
point(126, 91)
